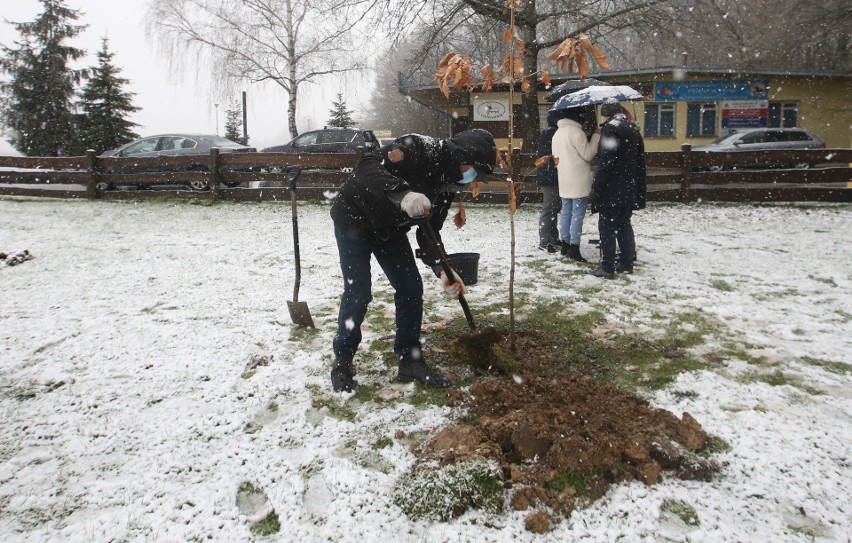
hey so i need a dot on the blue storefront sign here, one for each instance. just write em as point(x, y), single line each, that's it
point(711, 91)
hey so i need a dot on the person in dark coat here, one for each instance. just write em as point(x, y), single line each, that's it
point(413, 177)
point(618, 188)
point(547, 180)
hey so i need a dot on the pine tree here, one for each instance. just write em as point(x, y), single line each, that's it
point(38, 104)
point(105, 104)
point(340, 116)
point(233, 125)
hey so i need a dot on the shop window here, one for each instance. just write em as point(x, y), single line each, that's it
point(659, 120)
point(783, 114)
point(701, 119)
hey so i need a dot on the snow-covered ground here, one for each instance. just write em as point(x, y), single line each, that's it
point(128, 413)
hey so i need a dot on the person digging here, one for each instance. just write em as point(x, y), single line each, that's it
point(413, 177)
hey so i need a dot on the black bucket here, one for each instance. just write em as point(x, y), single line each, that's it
point(466, 265)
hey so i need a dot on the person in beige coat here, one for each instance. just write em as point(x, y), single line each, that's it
point(574, 151)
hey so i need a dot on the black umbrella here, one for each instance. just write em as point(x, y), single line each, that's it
point(596, 95)
point(572, 85)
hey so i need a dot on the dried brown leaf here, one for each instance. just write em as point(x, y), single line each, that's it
point(545, 77)
point(582, 64)
point(541, 161)
point(475, 189)
point(525, 84)
point(600, 58)
point(460, 218)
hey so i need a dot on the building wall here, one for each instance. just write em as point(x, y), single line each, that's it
point(824, 107)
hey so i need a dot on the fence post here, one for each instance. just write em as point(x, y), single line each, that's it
point(686, 174)
point(214, 173)
point(91, 180)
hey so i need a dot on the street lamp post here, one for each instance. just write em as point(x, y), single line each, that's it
point(217, 118)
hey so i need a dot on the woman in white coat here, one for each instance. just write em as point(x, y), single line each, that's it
point(574, 151)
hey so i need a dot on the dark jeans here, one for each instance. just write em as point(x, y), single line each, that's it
point(548, 229)
point(614, 225)
point(397, 260)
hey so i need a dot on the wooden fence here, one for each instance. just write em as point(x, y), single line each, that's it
point(683, 176)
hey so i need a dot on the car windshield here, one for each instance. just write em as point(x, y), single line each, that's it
point(218, 141)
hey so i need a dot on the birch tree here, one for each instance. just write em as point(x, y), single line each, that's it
point(286, 42)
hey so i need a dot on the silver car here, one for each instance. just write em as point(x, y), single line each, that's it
point(764, 139)
point(761, 139)
point(176, 145)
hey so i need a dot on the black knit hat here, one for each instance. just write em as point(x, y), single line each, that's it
point(475, 147)
point(610, 108)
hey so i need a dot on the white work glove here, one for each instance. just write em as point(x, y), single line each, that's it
point(415, 204)
point(452, 289)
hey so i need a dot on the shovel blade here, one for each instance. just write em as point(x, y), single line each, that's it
point(300, 314)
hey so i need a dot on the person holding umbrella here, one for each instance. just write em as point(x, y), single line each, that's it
point(574, 152)
point(618, 188)
point(413, 177)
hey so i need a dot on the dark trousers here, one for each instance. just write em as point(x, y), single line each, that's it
point(548, 224)
point(614, 226)
point(397, 260)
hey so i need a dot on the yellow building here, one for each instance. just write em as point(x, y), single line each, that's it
point(684, 105)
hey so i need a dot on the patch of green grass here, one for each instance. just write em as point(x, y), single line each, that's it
point(580, 481)
point(681, 510)
point(381, 345)
point(332, 405)
point(830, 366)
point(622, 359)
point(383, 443)
point(426, 396)
point(805, 531)
point(450, 491)
point(767, 296)
point(722, 285)
point(367, 393)
point(268, 526)
point(775, 379)
point(716, 445)
point(827, 280)
point(300, 334)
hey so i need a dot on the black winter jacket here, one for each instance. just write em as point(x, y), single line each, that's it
point(620, 178)
point(369, 200)
point(546, 175)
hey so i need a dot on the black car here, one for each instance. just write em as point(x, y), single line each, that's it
point(329, 140)
point(175, 145)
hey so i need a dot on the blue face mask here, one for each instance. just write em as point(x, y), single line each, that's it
point(468, 176)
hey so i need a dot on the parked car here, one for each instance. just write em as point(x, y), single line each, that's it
point(765, 139)
point(328, 140)
point(176, 145)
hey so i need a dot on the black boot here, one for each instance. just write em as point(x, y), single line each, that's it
point(420, 372)
point(564, 248)
point(342, 376)
point(574, 253)
point(603, 274)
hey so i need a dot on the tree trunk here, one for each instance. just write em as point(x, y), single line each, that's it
point(528, 127)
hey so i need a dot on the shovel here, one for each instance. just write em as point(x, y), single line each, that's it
point(299, 312)
point(445, 265)
point(480, 339)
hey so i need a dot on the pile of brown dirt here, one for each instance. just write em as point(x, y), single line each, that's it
point(561, 437)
